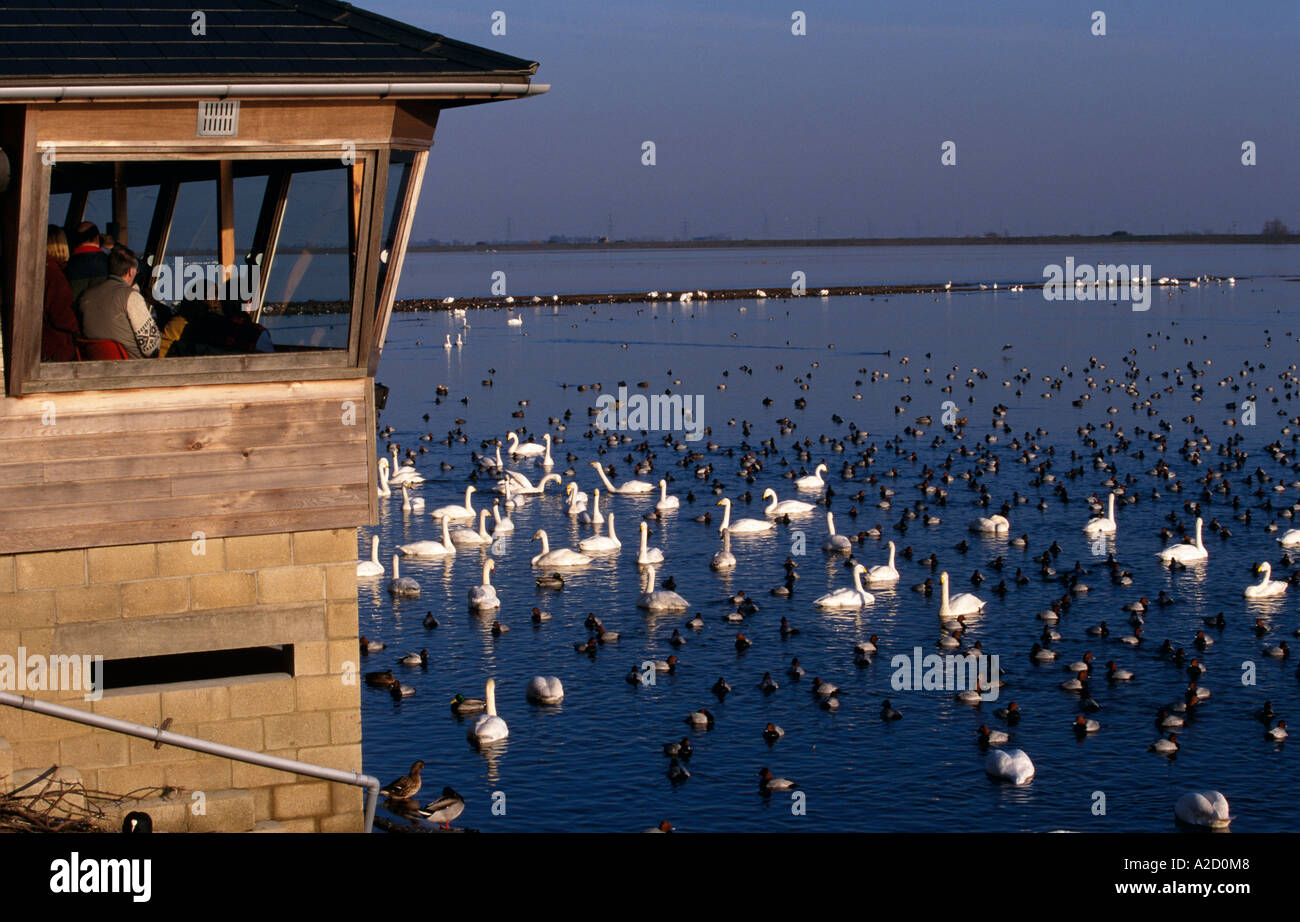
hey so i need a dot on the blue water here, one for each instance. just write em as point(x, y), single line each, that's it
point(595, 762)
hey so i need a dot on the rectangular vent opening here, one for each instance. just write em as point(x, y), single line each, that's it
point(219, 118)
point(193, 667)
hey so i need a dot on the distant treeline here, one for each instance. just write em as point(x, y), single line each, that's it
point(1051, 240)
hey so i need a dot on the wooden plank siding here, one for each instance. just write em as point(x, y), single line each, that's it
point(158, 464)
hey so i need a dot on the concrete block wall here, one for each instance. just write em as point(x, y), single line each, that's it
point(181, 597)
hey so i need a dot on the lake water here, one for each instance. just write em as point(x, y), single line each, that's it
point(595, 762)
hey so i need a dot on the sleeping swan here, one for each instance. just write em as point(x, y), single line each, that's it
point(1011, 765)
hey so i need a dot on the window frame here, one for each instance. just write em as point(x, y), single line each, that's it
point(36, 377)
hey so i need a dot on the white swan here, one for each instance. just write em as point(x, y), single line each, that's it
point(522, 485)
point(963, 603)
point(1266, 588)
point(789, 507)
point(1009, 765)
point(592, 516)
point(848, 598)
point(484, 597)
point(515, 322)
point(528, 449)
point(648, 555)
point(544, 689)
point(1203, 808)
point(741, 526)
point(547, 461)
point(403, 473)
point(602, 544)
point(447, 344)
point(1187, 553)
point(575, 500)
point(724, 559)
point(1104, 525)
point(667, 503)
point(835, 544)
point(560, 557)
point(501, 524)
point(402, 586)
point(630, 486)
point(465, 513)
point(468, 536)
point(409, 504)
point(993, 525)
point(883, 574)
point(1290, 539)
point(371, 567)
point(383, 478)
point(659, 599)
point(430, 548)
point(488, 727)
point(812, 481)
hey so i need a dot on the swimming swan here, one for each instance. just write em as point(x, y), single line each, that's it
point(544, 690)
point(1266, 588)
point(402, 586)
point(1187, 553)
point(430, 548)
point(528, 449)
point(813, 481)
point(1104, 525)
point(488, 727)
point(371, 567)
point(484, 597)
point(993, 525)
point(592, 516)
point(522, 485)
point(654, 599)
point(409, 504)
point(789, 507)
point(464, 535)
point(883, 574)
point(648, 555)
point(835, 544)
point(724, 559)
point(666, 503)
point(741, 526)
point(1290, 539)
point(560, 557)
point(465, 513)
point(1203, 808)
point(501, 523)
point(1010, 765)
point(848, 598)
point(403, 473)
point(964, 603)
point(602, 544)
point(575, 500)
point(383, 478)
point(631, 486)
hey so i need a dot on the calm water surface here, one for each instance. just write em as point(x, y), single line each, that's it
point(594, 763)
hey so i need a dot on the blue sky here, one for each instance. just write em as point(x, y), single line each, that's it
point(838, 132)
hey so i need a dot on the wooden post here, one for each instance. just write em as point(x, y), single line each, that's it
point(160, 227)
point(226, 217)
point(119, 203)
point(76, 209)
point(267, 234)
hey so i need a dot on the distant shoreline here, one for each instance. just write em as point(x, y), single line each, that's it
point(1053, 240)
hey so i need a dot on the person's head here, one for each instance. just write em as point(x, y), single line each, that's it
point(56, 244)
point(86, 232)
point(122, 264)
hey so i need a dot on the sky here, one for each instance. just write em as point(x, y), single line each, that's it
point(759, 132)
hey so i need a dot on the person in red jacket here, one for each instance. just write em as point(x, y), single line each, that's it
point(60, 329)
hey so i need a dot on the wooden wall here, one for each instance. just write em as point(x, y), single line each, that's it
point(102, 468)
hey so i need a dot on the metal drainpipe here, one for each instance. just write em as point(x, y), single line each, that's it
point(181, 741)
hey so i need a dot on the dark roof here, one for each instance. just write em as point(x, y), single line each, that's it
point(150, 41)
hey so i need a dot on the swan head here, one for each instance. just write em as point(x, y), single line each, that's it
point(723, 502)
point(943, 578)
point(383, 465)
point(769, 492)
point(538, 534)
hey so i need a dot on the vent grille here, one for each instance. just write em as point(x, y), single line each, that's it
point(219, 119)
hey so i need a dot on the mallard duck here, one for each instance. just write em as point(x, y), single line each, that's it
point(551, 581)
point(462, 705)
point(445, 809)
point(406, 786)
point(382, 679)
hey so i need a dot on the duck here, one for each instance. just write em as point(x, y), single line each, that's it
point(372, 567)
point(772, 733)
point(680, 749)
point(407, 786)
point(445, 809)
point(701, 719)
point(544, 690)
point(766, 782)
point(1085, 725)
point(889, 712)
point(539, 616)
point(488, 728)
point(1166, 746)
point(992, 737)
point(1115, 674)
point(677, 772)
point(415, 659)
point(462, 706)
point(1278, 733)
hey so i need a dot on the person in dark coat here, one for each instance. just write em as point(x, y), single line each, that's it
point(60, 328)
point(88, 264)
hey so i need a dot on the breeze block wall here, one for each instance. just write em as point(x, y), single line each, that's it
point(156, 599)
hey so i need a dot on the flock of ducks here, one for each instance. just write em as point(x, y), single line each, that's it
point(877, 478)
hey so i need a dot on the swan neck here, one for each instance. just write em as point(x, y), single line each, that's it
point(490, 695)
point(374, 549)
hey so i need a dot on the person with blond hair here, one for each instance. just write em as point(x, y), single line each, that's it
point(60, 328)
